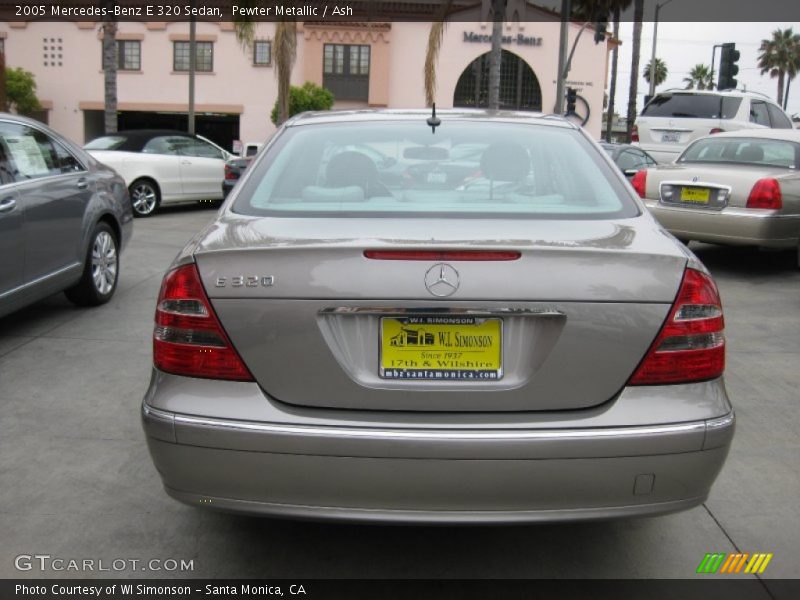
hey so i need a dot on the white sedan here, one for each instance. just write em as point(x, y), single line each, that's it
point(161, 166)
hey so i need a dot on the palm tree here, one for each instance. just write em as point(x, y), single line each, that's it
point(700, 77)
point(110, 64)
point(638, 13)
point(779, 57)
point(435, 36)
point(496, 53)
point(660, 72)
point(284, 51)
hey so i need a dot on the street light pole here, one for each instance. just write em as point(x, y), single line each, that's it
point(566, 9)
point(652, 91)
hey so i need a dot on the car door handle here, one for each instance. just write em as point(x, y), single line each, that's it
point(7, 205)
point(83, 183)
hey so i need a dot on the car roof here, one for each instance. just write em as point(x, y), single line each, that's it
point(373, 115)
point(135, 139)
point(791, 135)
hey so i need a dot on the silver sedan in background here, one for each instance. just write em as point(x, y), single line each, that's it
point(513, 343)
point(64, 218)
point(739, 188)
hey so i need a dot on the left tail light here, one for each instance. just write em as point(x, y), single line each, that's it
point(639, 182)
point(188, 338)
point(766, 193)
point(229, 174)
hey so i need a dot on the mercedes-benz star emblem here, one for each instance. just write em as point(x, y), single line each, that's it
point(442, 280)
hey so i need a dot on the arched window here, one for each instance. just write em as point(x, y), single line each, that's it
point(519, 87)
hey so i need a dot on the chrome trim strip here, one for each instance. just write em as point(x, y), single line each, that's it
point(720, 422)
point(38, 280)
point(389, 311)
point(418, 435)
point(156, 413)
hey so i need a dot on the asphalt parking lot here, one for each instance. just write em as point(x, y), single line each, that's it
point(76, 480)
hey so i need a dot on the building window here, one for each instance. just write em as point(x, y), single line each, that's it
point(345, 71)
point(52, 53)
point(262, 53)
point(204, 56)
point(129, 55)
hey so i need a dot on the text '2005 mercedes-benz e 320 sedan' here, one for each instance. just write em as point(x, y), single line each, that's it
point(496, 335)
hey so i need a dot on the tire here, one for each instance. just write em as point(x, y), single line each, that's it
point(145, 197)
point(101, 269)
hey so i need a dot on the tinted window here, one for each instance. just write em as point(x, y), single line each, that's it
point(524, 170)
point(693, 106)
point(631, 159)
point(107, 142)
point(65, 161)
point(165, 144)
point(778, 118)
point(201, 149)
point(772, 153)
point(758, 113)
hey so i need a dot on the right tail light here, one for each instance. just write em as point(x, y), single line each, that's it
point(691, 344)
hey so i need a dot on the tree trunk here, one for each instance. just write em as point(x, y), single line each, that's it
point(638, 11)
point(786, 93)
point(3, 107)
point(781, 76)
point(612, 91)
point(496, 54)
point(110, 62)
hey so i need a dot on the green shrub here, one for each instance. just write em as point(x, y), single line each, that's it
point(21, 91)
point(308, 97)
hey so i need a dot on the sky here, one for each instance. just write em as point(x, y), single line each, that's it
point(683, 45)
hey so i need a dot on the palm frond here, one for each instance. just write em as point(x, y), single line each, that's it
point(435, 37)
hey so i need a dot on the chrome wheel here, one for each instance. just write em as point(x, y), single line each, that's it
point(144, 198)
point(104, 263)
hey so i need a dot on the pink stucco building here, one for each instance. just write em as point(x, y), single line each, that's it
point(364, 64)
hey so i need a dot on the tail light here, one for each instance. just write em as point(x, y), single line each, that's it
point(691, 343)
point(635, 133)
point(188, 338)
point(766, 193)
point(716, 130)
point(639, 182)
point(229, 174)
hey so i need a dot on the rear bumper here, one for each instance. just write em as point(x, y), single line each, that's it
point(733, 226)
point(424, 472)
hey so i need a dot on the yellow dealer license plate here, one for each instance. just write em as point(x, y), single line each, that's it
point(441, 348)
point(696, 195)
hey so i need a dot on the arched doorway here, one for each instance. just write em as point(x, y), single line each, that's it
point(519, 87)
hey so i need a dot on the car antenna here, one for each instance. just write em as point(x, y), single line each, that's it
point(433, 120)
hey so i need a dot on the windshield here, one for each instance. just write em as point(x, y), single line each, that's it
point(472, 168)
point(759, 151)
point(107, 142)
point(693, 106)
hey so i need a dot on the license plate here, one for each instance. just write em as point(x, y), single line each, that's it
point(437, 177)
point(695, 195)
point(441, 348)
point(670, 138)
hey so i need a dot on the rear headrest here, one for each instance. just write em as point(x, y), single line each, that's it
point(351, 168)
point(505, 161)
point(751, 153)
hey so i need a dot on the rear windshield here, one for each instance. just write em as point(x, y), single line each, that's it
point(469, 168)
point(107, 142)
point(757, 151)
point(693, 106)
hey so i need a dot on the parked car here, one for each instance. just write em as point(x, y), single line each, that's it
point(162, 166)
point(233, 171)
point(535, 349)
point(64, 218)
point(629, 159)
point(740, 188)
point(674, 119)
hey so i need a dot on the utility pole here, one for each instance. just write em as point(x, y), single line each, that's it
point(566, 10)
point(192, 68)
point(652, 91)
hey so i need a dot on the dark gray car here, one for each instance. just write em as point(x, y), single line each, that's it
point(64, 218)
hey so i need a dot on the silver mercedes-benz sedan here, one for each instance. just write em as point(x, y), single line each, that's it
point(511, 340)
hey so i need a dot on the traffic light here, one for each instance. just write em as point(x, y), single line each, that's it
point(572, 98)
point(600, 27)
point(728, 67)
